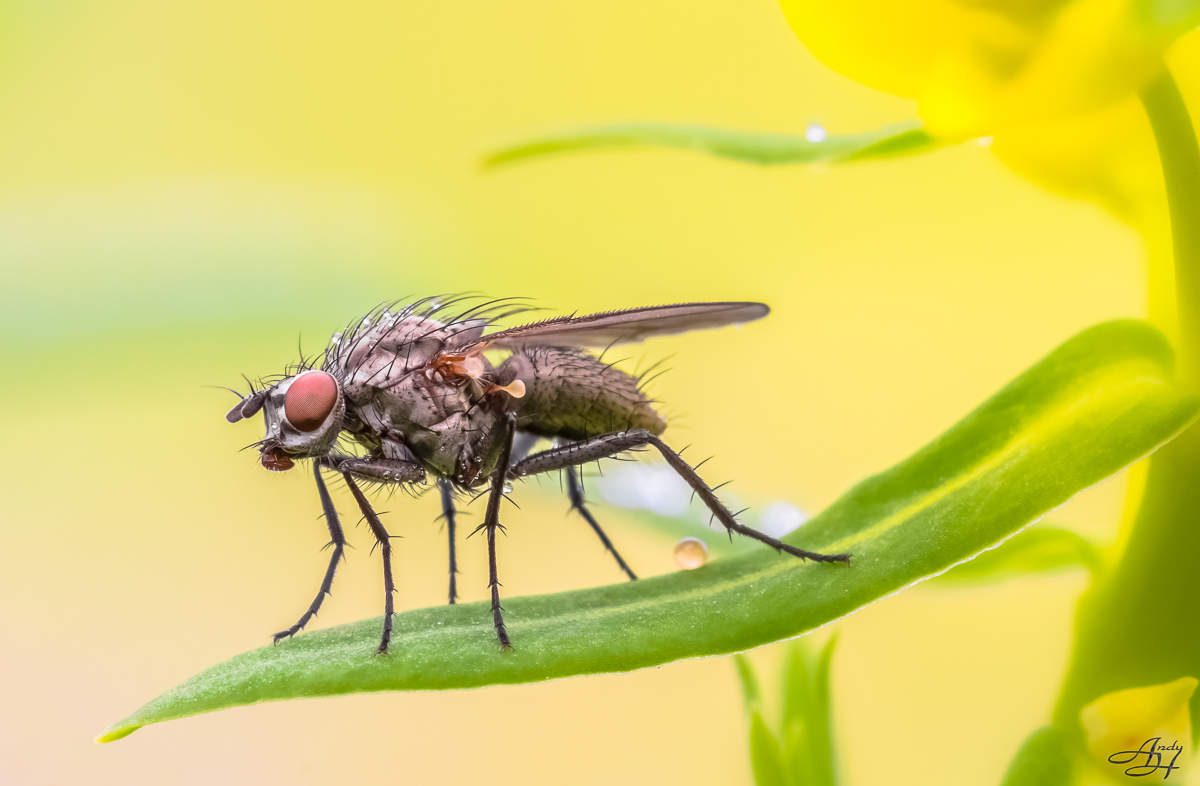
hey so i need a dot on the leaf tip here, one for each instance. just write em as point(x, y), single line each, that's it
point(490, 161)
point(118, 731)
point(504, 156)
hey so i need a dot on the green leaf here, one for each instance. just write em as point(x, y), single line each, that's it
point(751, 694)
point(750, 147)
point(821, 748)
point(1043, 760)
point(1030, 551)
point(795, 748)
point(766, 758)
point(1093, 406)
point(797, 687)
point(807, 725)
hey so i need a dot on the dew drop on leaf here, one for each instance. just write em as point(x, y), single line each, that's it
point(690, 553)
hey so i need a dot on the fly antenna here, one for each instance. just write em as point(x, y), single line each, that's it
point(222, 387)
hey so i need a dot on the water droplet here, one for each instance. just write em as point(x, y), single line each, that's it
point(690, 553)
point(815, 133)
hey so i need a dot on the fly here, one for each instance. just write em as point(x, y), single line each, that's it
point(408, 393)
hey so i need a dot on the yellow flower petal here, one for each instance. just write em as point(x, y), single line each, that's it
point(1107, 156)
point(890, 46)
point(977, 66)
point(1142, 732)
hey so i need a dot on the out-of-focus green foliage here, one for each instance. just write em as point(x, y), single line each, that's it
point(1158, 574)
point(1033, 550)
point(750, 147)
point(1093, 406)
point(801, 751)
point(1043, 760)
point(766, 755)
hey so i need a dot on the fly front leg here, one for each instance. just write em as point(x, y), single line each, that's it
point(385, 549)
point(611, 444)
point(378, 470)
point(337, 539)
point(449, 513)
point(575, 494)
point(491, 523)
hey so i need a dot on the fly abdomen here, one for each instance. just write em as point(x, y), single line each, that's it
point(573, 395)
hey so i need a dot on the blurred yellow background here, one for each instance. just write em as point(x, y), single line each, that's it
point(186, 188)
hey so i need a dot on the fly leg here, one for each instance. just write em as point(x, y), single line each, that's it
point(575, 494)
point(336, 539)
point(385, 549)
point(378, 470)
point(448, 513)
point(491, 523)
point(610, 444)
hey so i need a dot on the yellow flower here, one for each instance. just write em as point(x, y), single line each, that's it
point(978, 66)
point(1142, 732)
point(1054, 83)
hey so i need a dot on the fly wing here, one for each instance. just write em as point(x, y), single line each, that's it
point(621, 327)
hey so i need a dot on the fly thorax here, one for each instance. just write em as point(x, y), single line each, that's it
point(440, 446)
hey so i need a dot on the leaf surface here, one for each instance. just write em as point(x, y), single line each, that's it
point(1093, 406)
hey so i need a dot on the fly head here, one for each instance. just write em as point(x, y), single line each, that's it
point(303, 415)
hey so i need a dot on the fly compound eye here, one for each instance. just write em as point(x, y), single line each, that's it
point(310, 399)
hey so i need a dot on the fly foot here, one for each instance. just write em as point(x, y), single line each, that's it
point(284, 634)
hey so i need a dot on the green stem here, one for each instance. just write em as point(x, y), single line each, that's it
point(1180, 156)
point(1138, 627)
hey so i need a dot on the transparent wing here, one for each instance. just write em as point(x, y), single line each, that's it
point(621, 327)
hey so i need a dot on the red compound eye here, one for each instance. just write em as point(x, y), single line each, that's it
point(310, 399)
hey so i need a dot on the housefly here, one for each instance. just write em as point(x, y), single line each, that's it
point(411, 392)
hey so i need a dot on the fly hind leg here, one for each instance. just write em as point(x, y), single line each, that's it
point(575, 494)
point(611, 444)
